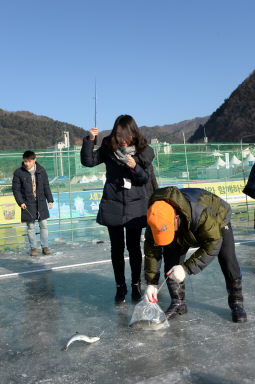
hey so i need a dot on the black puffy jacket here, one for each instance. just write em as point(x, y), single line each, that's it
point(23, 193)
point(145, 159)
point(249, 189)
point(120, 206)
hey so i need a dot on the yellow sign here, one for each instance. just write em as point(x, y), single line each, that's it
point(230, 191)
point(10, 212)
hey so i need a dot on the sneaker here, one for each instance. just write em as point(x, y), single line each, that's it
point(176, 309)
point(46, 251)
point(33, 252)
point(120, 294)
point(136, 292)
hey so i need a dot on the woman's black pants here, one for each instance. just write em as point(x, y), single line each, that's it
point(133, 238)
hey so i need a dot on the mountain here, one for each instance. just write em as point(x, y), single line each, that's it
point(234, 119)
point(24, 130)
point(171, 133)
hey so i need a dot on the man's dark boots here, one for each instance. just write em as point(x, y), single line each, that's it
point(235, 301)
point(136, 291)
point(120, 293)
point(178, 305)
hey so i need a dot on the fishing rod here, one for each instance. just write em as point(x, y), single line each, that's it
point(29, 212)
point(95, 116)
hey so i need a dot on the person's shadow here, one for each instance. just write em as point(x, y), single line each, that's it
point(85, 293)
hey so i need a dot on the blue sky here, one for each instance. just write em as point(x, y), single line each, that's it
point(161, 61)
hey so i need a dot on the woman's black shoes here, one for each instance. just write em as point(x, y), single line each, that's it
point(120, 293)
point(136, 292)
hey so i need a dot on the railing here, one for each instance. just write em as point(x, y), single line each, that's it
point(222, 168)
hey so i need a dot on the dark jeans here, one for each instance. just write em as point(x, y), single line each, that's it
point(133, 236)
point(174, 254)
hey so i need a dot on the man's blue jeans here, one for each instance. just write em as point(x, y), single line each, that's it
point(43, 234)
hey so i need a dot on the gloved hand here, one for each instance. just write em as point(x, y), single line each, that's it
point(177, 273)
point(151, 293)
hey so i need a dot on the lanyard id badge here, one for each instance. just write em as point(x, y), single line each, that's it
point(127, 183)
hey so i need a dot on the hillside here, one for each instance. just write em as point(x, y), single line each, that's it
point(172, 133)
point(234, 119)
point(24, 130)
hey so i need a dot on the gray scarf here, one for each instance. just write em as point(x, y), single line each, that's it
point(122, 153)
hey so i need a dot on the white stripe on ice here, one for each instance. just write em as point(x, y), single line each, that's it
point(15, 274)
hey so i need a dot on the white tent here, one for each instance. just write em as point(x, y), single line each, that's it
point(234, 162)
point(218, 164)
point(84, 180)
point(246, 152)
point(249, 159)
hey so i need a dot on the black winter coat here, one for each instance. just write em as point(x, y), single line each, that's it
point(23, 193)
point(249, 189)
point(145, 159)
point(120, 206)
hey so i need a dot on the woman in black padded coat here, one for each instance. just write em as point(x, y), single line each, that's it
point(124, 204)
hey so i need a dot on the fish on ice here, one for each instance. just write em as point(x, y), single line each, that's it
point(79, 337)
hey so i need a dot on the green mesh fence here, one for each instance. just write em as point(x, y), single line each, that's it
point(172, 163)
point(222, 168)
point(196, 162)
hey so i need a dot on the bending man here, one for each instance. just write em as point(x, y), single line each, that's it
point(182, 218)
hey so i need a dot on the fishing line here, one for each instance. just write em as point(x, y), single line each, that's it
point(162, 284)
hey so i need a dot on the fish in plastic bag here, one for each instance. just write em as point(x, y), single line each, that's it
point(148, 316)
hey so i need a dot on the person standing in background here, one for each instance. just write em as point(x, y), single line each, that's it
point(30, 186)
point(249, 188)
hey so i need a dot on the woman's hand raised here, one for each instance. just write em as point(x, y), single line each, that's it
point(93, 133)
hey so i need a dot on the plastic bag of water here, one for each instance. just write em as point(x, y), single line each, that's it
point(148, 316)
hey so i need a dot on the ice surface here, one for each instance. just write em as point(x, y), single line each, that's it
point(39, 311)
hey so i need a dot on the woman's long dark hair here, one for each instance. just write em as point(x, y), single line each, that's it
point(129, 129)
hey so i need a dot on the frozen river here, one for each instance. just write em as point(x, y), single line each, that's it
point(47, 299)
